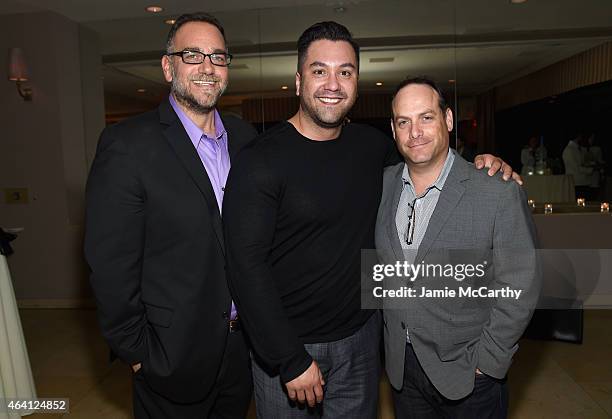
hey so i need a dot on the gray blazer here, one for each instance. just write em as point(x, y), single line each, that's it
point(453, 337)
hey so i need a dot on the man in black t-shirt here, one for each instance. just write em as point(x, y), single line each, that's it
point(299, 206)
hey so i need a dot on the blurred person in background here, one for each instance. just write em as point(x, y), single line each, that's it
point(573, 160)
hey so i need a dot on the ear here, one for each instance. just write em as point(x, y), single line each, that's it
point(298, 82)
point(167, 68)
point(449, 119)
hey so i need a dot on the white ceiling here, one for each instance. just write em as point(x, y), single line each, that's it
point(480, 43)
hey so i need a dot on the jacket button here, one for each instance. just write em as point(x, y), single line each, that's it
point(403, 325)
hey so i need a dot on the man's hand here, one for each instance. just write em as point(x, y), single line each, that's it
point(308, 387)
point(136, 367)
point(495, 164)
point(478, 372)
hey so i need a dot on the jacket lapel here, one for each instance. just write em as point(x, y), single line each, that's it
point(391, 226)
point(232, 146)
point(183, 147)
point(451, 194)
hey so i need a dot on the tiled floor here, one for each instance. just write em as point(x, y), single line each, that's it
point(547, 379)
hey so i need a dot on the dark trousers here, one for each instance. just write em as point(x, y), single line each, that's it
point(351, 368)
point(419, 399)
point(229, 399)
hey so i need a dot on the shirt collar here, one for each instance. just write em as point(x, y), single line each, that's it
point(439, 183)
point(193, 131)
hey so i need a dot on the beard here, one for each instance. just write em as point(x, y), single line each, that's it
point(323, 116)
point(181, 90)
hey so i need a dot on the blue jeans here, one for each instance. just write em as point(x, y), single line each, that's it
point(351, 369)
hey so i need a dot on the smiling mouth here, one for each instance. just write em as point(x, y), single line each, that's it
point(330, 100)
point(419, 144)
point(203, 83)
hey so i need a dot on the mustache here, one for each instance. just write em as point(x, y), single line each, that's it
point(335, 95)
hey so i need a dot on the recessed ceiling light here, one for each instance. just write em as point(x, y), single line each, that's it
point(154, 9)
point(169, 21)
point(141, 90)
point(451, 81)
point(379, 83)
point(518, 1)
point(284, 87)
point(340, 9)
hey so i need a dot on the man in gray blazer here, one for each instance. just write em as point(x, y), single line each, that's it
point(448, 356)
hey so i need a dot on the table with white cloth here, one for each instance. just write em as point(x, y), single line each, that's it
point(16, 379)
point(576, 269)
point(586, 267)
point(549, 188)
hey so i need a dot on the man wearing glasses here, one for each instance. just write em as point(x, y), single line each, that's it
point(154, 239)
point(448, 356)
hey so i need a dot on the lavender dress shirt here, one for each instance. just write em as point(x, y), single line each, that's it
point(214, 155)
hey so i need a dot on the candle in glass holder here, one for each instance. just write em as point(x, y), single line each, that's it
point(605, 207)
point(548, 209)
point(580, 202)
point(531, 203)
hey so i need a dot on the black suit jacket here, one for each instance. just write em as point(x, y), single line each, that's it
point(154, 243)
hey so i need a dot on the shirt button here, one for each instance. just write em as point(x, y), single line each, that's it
point(223, 188)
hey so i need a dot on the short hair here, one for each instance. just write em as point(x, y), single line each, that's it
point(331, 31)
point(191, 17)
point(422, 80)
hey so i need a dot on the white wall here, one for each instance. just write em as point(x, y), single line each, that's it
point(46, 146)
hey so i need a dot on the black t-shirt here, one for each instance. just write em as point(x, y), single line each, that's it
point(297, 213)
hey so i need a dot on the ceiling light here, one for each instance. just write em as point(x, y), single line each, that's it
point(141, 90)
point(518, 1)
point(154, 9)
point(379, 83)
point(169, 21)
point(284, 87)
point(451, 81)
point(340, 9)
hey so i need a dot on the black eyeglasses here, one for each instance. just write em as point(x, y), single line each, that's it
point(409, 233)
point(221, 59)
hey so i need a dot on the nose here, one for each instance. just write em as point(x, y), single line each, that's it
point(415, 130)
point(331, 83)
point(206, 66)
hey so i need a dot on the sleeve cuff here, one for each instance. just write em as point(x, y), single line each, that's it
point(496, 367)
point(295, 366)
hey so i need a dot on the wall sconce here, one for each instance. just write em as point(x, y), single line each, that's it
point(18, 72)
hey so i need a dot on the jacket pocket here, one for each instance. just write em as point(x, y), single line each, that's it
point(458, 340)
point(159, 316)
point(461, 334)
